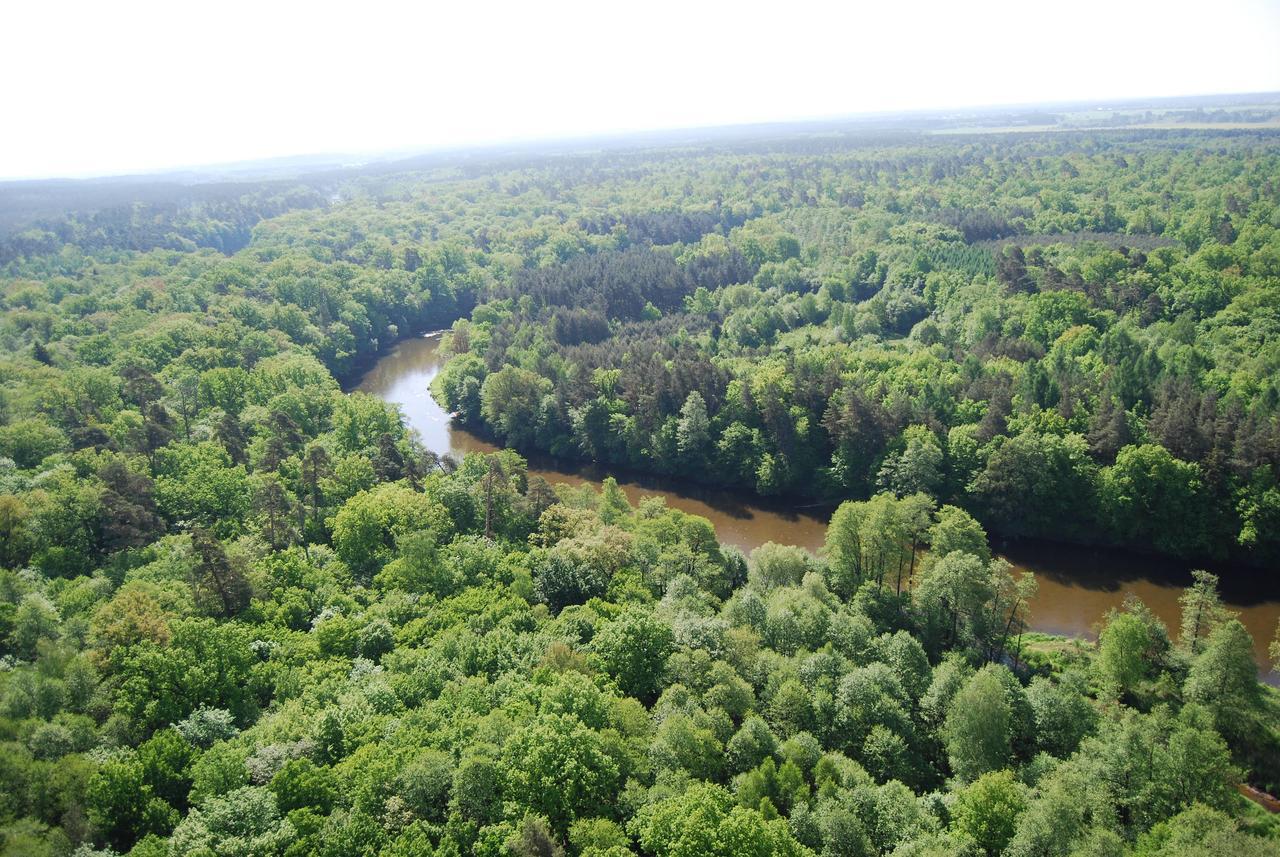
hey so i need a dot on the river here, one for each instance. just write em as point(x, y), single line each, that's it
point(1077, 585)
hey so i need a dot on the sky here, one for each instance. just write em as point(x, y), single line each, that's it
point(94, 88)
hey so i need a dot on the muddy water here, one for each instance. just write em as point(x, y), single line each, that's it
point(1077, 585)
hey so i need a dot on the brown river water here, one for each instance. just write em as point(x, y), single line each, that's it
point(1077, 584)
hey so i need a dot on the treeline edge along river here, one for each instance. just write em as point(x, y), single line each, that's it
point(1077, 585)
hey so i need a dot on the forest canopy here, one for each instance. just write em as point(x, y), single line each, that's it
point(245, 613)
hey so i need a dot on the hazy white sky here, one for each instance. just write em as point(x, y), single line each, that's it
point(109, 87)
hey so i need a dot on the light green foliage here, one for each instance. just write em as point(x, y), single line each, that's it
point(956, 530)
point(979, 729)
point(30, 441)
point(633, 649)
point(561, 769)
point(1200, 831)
point(367, 526)
point(1224, 678)
point(987, 810)
point(876, 540)
point(773, 566)
point(595, 837)
point(704, 821)
point(1130, 649)
point(1062, 713)
point(1202, 611)
point(244, 823)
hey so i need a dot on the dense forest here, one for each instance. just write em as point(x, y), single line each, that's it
point(244, 613)
point(1070, 338)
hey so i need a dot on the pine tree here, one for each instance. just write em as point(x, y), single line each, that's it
point(1202, 611)
point(217, 583)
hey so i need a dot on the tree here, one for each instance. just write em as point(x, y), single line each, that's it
point(633, 650)
point(425, 784)
point(614, 506)
point(1202, 611)
point(1148, 497)
point(1067, 806)
point(477, 786)
point(300, 783)
point(1224, 677)
point(954, 593)
point(315, 467)
point(367, 526)
point(275, 506)
point(1274, 649)
point(1062, 714)
point(978, 729)
point(1130, 648)
point(511, 402)
point(987, 810)
point(231, 436)
point(956, 530)
point(493, 476)
point(705, 821)
point(217, 582)
point(561, 769)
point(35, 620)
point(1199, 831)
point(751, 744)
point(122, 806)
point(199, 483)
point(917, 467)
point(206, 726)
point(1038, 485)
point(570, 574)
point(127, 508)
point(30, 441)
point(874, 540)
point(166, 760)
point(458, 386)
point(773, 565)
point(244, 822)
point(15, 539)
point(693, 432)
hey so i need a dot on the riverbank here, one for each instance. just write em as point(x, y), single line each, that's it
point(1078, 584)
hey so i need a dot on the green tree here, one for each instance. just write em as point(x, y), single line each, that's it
point(561, 769)
point(1038, 485)
point(30, 441)
point(1129, 652)
point(633, 650)
point(693, 432)
point(300, 783)
point(367, 526)
point(1151, 498)
point(1202, 611)
point(917, 467)
point(1224, 677)
point(218, 583)
point(954, 529)
point(978, 729)
point(122, 806)
point(705, 821)
point(987, 810)
point(243, 823)
point(511, 402)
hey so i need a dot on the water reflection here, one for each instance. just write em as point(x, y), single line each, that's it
point(1077, 585)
